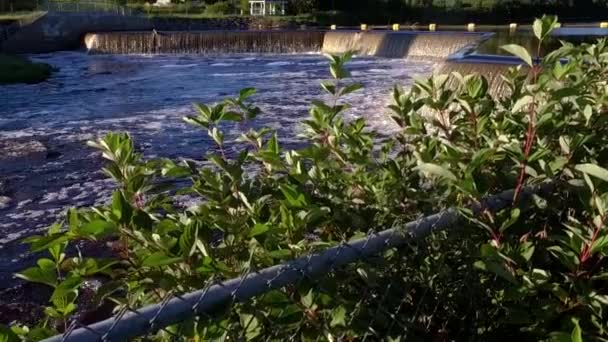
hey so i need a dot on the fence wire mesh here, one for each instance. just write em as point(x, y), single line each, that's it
point(354, 291)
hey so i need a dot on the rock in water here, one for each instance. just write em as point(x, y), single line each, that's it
point(19, 149)
point(4, 202)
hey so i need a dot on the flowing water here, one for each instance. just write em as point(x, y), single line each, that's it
point(428, 45)
point(204, 42)
point(147, 95)
point(435, 45)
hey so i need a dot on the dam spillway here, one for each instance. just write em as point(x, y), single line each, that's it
point(380, 44)
point(404, 44)
point(204, 42)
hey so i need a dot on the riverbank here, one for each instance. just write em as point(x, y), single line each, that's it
point(17, 69)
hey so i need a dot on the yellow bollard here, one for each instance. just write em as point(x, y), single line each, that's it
point(363, 27)
point(471, 27)
point(395, 27)
point(604, 24)
point(432, 27)
point(332, 27)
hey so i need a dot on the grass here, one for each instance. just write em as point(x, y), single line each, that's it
point(305, 18)
point(17, 69)
point(21, 15)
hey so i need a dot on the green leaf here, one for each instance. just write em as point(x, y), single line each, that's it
point(251, 325)
point(258, 229)
point(40, 333)
point(231, 116)
point(512, 219)
point(436, 170)
point(294, 197)
point(273, 144)
point(246, 93)
point(308, 299)
point(121, 208)
point(599, 244)
point(593, 170)
point(518, 51)
point(521, 103)
point(351, 88)
point(159, 259)
point(67, 285)
point(577, 334)
point(329, 87)
point(338, 317)
point(538, 29)
point(40, 243)
point(39, 275)
point(281, 254)
point(98, 228)
point(7, 335)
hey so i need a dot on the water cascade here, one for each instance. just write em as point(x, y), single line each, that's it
point(405, 44)
point(382, 44)
point(204, 42)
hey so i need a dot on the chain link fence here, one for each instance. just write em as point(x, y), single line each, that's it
point(363, 304)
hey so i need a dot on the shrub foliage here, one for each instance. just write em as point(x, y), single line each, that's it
point(536, 271)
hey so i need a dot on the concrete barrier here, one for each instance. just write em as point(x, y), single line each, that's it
point(54, 32)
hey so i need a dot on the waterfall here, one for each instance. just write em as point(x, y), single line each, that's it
point(492, 71)
point(204, 42)
point(438, 45)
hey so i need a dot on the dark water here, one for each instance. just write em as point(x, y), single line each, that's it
point(147, 96)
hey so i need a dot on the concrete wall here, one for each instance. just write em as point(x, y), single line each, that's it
point(55, 32)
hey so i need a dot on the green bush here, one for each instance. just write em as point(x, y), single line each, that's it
point(244, 6)
point(534, 272)
point(16, 69)
point(220, 8)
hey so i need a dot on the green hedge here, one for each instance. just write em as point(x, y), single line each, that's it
point(16, 69)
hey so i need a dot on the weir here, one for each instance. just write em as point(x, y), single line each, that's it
point(204, 42)
point(382, 44)
point(405, 44)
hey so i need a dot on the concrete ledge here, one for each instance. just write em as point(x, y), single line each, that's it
point(53, 32)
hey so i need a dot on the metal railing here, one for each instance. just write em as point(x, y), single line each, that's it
point(204, 304)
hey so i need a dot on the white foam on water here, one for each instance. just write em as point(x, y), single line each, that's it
point(178, 65)
point(280, 63)
point(148, 100)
